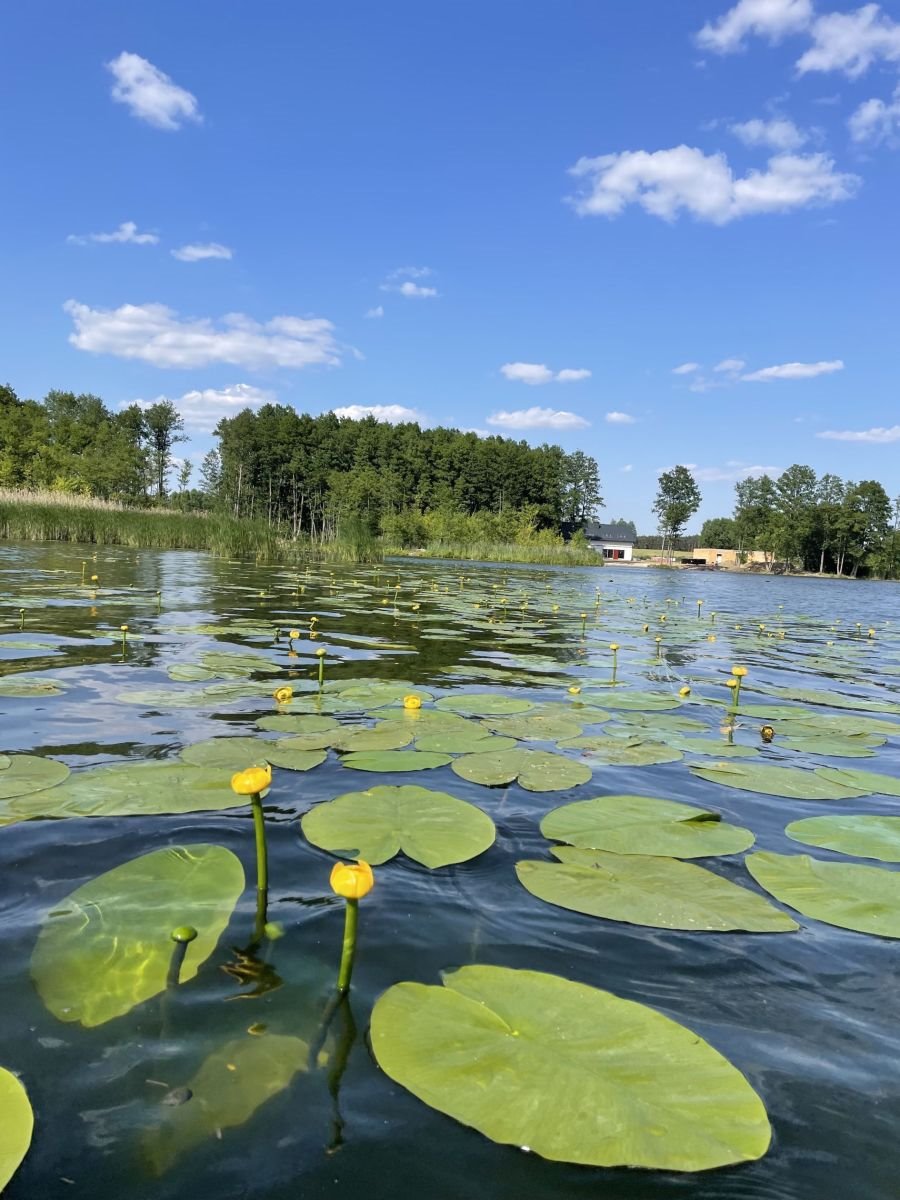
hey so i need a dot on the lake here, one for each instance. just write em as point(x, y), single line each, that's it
point(808, 1017)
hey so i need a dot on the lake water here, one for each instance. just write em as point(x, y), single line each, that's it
point(810, 1018)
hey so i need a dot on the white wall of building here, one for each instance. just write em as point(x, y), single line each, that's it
point(624, 548)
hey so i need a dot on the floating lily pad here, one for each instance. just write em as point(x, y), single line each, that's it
point(303, 723)
point(791, 782)
point(383, 737)
point(424, 720)
point(536, 770)
point(226, 1091)
point(864, 835)
point(133, 789)
point(476, 741)
point(18, 685)
point(486, 704)
point(165, 698)
point(228, 753)
point(663, 893)
point(570, 1072)
point(226, 662)
point(643, 701)
point(849, 895)
point(189, 673)
point(433, 828)
point(866, 781)
point(835, 699)
point(394, 760)
point(23, 774)
point(709, 747)
point(858, 745)
point(106, 948)
point(662, 722)
point(16, 1125)
point(536, 727)
point(644, 825)
point(632, 752)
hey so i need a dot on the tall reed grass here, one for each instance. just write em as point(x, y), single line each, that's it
point(560, 554)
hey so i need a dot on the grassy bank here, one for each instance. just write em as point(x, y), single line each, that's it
point(541, 554)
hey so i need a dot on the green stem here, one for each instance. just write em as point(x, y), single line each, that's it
point(348, 951)
point(321, 671)
point(262, 856)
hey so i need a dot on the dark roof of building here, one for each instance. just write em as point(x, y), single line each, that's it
point(595, 532)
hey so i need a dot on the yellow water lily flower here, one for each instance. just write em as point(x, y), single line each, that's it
point(613, 646)
point(731, 683)
point(352, 880)
point(574, 690)
point(767, 733)
point(684, 691)
point(321, 652)
point(283, 695)
point(412, 701)
point(293, 634)
point(252, 781)
point(740, 672)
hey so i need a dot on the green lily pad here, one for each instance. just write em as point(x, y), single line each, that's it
point(228, 753)
point(710, 747)
point(16, 1125)
point(632, 752)
point(23, 774)
point(802, 722)
point(189, 673)
point(791, 782)
point(659, 723)
point(535, 770)
point(486, 704)
point(424, 720)
point(536, 727)
point(106, 948)
point(567, 1071)
point(476, 741)
point(835, 699)
point(225, 1092)
point(644, 825)
point(18, 685)
point(133, 789)
point(226, 662)
point(394, 760)
point(864, 835)
point(663, 893)
point(164, 698)
point(383, 737)
point(643, 701)
point(857, 745)
point(432, 828)
point(866, 781)
point(303, 723)
point(849, 895)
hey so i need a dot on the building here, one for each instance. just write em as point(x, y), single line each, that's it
point(717, 557)
point(614, 542)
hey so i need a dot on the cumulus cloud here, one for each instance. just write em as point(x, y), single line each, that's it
point(619, 418)
point(374, 314)
point(779, 133)
point(732, 472)
point(537, 373)
point(156, 334)
point(665, 183)
point(150, 94)
point(851, 42)
point(686, 368)
point(730, 365)
point(390, 414)
point(876, 121)
point(794, 370)
point(537, 418)
point(127, 232)
point(877, 436)
point(772, 19)
point(197, 251)
point(403, 282)
point(203, 409)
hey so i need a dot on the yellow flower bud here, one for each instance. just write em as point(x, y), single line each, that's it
point(412, 702)
point(767, 733)
point(685, 691)
point(293, 634)
point(252, 781)
point(740, 672)
point(613, 646)
point(574, 690)
point(321, 652)
point(283, 695)
point(352, 880)
point(731, 683)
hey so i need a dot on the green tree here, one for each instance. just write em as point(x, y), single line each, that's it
point(581, 496)
point(719, 533)
point(829, 498)
point(165, 429)
point(795, 503)
point(677, 499)
point(755, 517)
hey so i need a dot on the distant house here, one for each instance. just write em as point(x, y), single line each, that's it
point(613, 542)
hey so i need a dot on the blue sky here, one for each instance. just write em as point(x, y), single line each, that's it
point(505, 217)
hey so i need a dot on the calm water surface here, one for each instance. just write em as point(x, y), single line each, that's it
point(811, 1018)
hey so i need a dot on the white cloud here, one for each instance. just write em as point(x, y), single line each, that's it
point(150, 94)
point(875, 121)
point(401, 281)
point(666, 183)
point(202, 410)
point(197, 251)
point(686, 368)
point(127, 232)
point(732, 472)
point(730, 365)
point(628, 467)
point(618, 418)
point(772, 19)
point(538, 373)
point(411, 273)
point(156, 334)
point(777, 134)
point(537, 418)
point(851, 42)
point(878, 435)
point(794, 370)
point(390, 414)
point(408, 288)
point(373, 314)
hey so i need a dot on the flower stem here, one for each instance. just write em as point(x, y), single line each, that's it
point(262, 857)
point(348, 951)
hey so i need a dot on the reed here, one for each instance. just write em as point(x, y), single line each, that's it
point(559, 554)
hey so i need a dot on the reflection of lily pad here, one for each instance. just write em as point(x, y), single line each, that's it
point(130, 789)
point(849, 895)
point(23, 774)
point(663, 893)
point(644, 825)
point(483, 704)
point(433, 828)
point(226, 1091)
point(536, 770)
point(864, 835)
point(791, 782)
point(16, 1125)
point(394, 760)
point(572, 1073)
point(865, 781)
point(106, 947)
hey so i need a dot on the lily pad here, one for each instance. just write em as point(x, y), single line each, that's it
point(791, 782)
point(866, 781)
point(432, 828)
point(23, 774)
point(663, 893)
point(536, 770)
point(662, 722)
point(383, 737)
point(16, 1125)
point(228, 753)
point(106, 948)
point(644, 825)
point(536, 727)
point(857, 745)
point(394, 760)
point(483, 704)
point(17, 685)
point(423, 720)
point(632, 752)
point(225, 1092)
point(476, 741)
point(864, 835)
point(643, 701)
point(133, 789)
point(849, 895)
point(301, 723)
point(570, 1072)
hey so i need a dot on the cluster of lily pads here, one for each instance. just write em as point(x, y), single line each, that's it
point(473, 1046)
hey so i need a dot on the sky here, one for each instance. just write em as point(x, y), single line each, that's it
point(658, 232)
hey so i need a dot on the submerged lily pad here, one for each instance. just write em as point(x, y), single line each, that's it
point(23, 774)
point(132, 789)
point(226, 1091)
point(644, 825)
point(866, 781)
point(791, 782)
point(16, 1125)
point(536, 770)
point(106, 948)
point(864, 835)
point(433, 828)
point(572, 1073)
point(849, 895)
point(394, 760)
point(483, 704)
point(18, 685)
point(663, 893)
